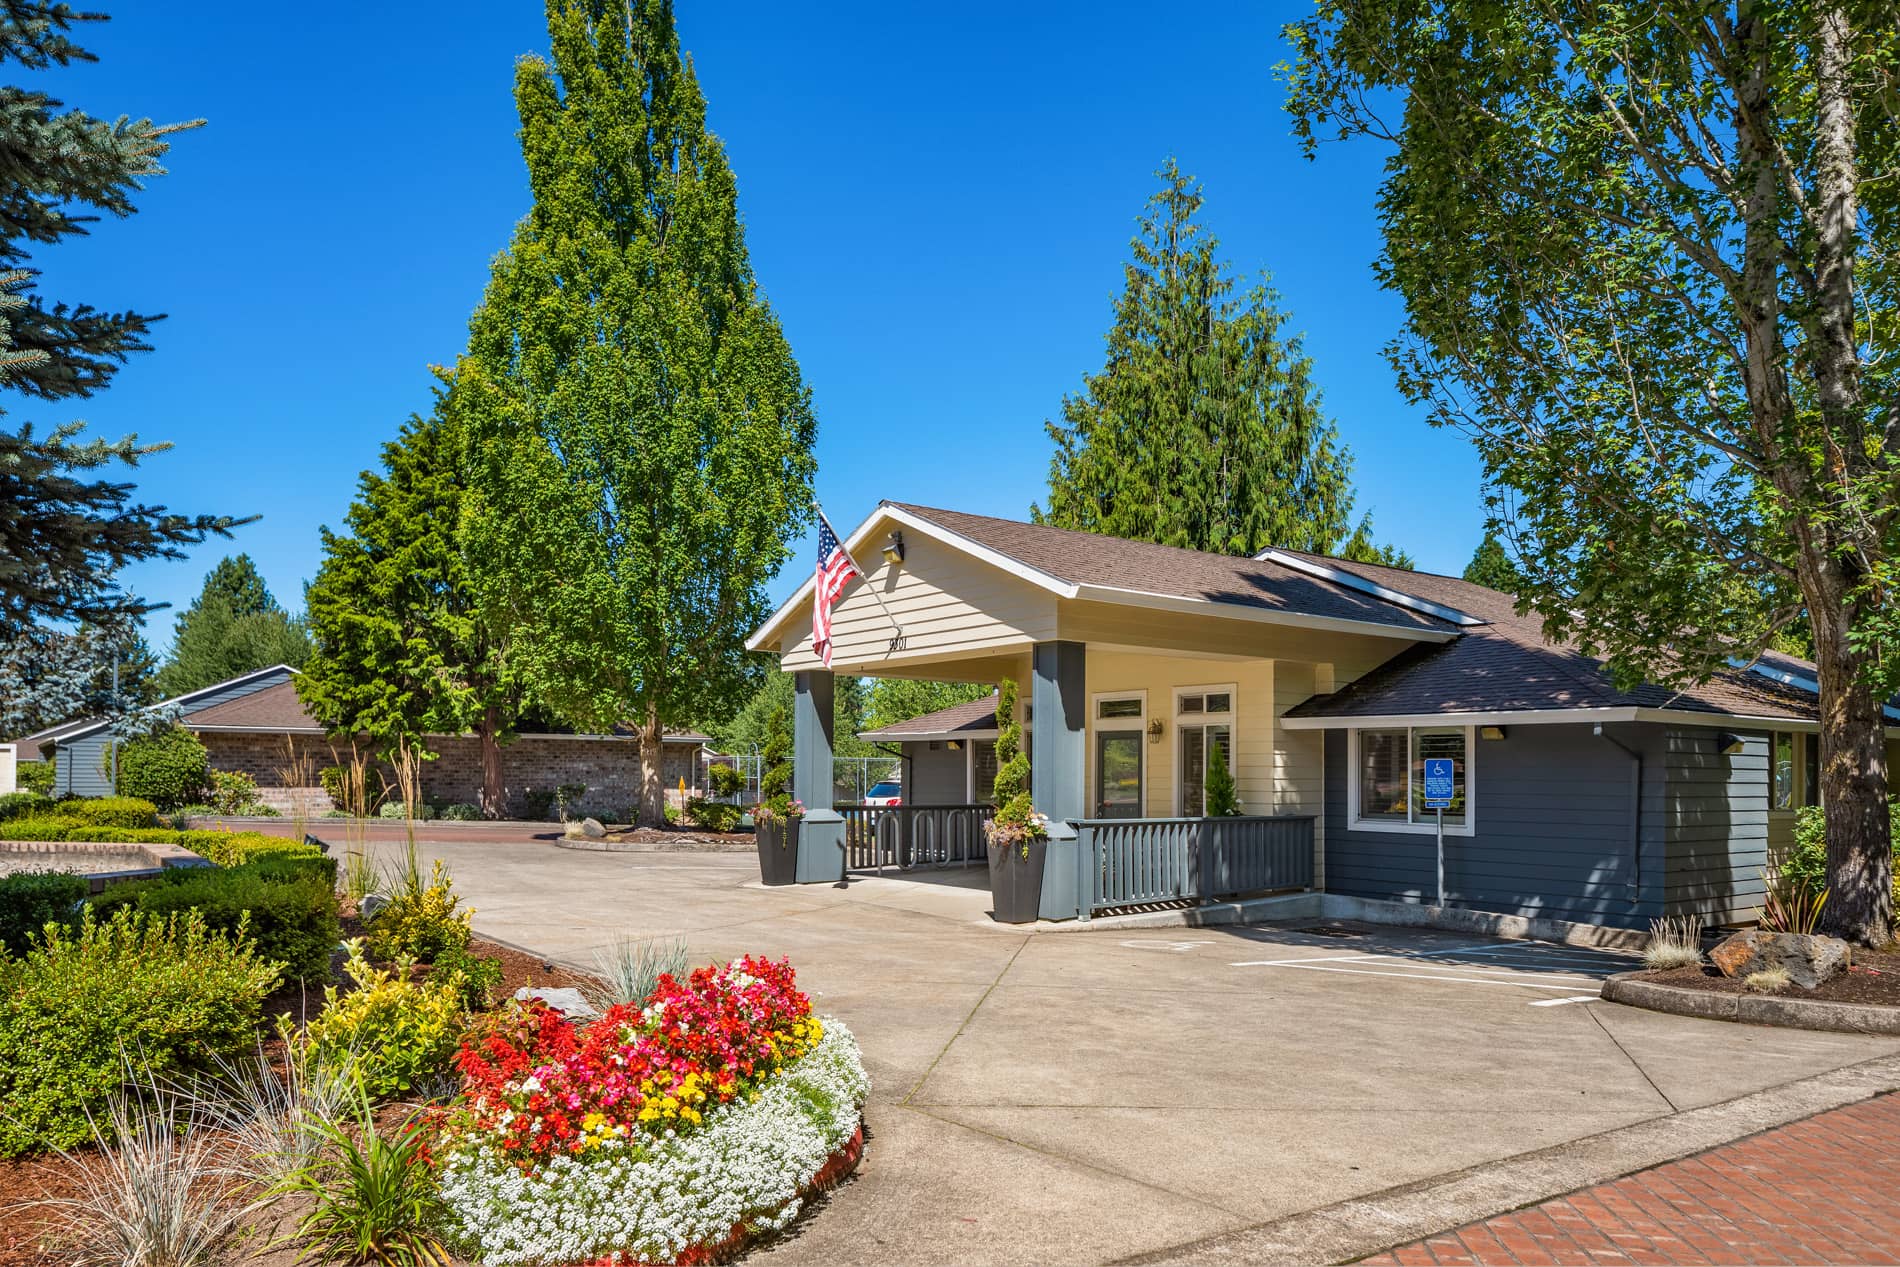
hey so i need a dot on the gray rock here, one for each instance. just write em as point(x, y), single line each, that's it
point(592, 828)
point(1809, 959)
point(371, 905)
point(564, 999)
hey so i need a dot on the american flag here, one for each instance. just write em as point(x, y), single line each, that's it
point(835, 571)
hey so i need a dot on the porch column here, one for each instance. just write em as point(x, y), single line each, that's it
point(1058, 765)
point(821, 836)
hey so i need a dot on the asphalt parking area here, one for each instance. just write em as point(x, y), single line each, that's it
point(1570, 974)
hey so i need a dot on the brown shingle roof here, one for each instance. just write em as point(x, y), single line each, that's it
point(1086, 558)
point(974, 716)
point(274, 708)
point(1507, 665)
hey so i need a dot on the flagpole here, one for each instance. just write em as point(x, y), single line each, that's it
point(862, 574)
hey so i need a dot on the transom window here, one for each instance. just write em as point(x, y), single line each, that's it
point(1119, 708)
point(1389, 777)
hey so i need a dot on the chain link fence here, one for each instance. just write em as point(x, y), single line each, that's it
point(852, 778)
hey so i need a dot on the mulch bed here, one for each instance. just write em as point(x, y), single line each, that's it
point(662, 839)
point(1874, 978)
point(30, 1235)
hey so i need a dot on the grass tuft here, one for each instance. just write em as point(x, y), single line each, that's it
point(627, 969)
point(1767, 981)
point(1675, 941)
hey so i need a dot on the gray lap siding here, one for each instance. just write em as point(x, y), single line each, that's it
point(1553, 809)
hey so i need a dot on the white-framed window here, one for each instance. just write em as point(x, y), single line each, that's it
point(1386, 772)
point(1203, 720)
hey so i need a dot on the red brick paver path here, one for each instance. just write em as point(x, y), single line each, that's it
point(1826, 1190)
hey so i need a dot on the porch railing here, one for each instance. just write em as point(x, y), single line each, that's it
point(906, 836)
point(1138, 861)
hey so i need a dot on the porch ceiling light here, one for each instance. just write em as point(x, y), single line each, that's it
point(894, 549)
point(1490, 732)
point(956, 745)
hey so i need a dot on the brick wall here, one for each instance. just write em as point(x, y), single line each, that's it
point(610, 769)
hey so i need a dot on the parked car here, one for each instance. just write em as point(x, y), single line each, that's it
point(885, 793)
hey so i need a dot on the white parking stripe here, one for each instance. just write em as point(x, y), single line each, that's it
point(1575, 998)
point(1418, 976)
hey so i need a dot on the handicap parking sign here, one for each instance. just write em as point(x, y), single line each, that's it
point(1438, 782)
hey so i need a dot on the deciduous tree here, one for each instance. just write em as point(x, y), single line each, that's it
point(1647, 261)
point(640, 437)
point(1204, 428)
point(899, 699)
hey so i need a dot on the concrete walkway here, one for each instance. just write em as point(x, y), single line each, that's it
point(1173, 1093)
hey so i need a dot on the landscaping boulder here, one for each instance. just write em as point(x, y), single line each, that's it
point(564, 999)
point(1808, 959)
point(592, 829)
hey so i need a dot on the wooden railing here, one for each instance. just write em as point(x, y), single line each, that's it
point(1138, 861)
point(900, 837)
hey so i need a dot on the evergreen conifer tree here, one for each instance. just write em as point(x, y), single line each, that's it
point(400, 649)
point(64, 535)
point(234, 626)
point(1491, 566)
point(1204, 428)
point(639, 432)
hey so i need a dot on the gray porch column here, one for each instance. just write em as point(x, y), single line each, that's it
point(1058, 764)
point(821, 837)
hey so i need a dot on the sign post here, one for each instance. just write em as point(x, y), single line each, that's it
point(1439, 789)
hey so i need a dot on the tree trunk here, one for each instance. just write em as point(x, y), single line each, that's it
point(652, 790)
point(1853, 788)
point(494, 793)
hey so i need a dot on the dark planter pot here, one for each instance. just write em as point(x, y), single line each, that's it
point(1016, 882)
point(778, 851)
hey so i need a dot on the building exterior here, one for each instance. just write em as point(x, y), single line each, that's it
point(257, 725)
point(1327, 685)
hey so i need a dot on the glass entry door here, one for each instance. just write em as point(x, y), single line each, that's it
point(1118, 773)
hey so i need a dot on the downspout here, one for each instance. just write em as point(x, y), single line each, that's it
point(1636, 812)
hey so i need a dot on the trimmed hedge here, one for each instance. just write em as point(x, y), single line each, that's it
point(291, 907)
point(226, 848)
point(168, 992)
point(35, 776)
point(30, 900)
point(110, 811)
point(170, 767)
point(26, 804)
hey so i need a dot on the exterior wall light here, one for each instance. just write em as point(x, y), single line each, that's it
point(1490, 732)
point(1155, 730)
point(894, 549)
point(956, 745)
point(1730, 745)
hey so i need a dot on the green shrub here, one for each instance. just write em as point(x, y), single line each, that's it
point(291, 911)
point(232, 792)
point(775, 764)
point(110, 811)
point(371, 1185)
point(725, 780)
point(567, 799)
point(537, 804)
point(477, 977)
point(167, 992)
point(30, 900)
point(233, 848)
point(24, 805)
point(168, 767)
point(461, 812)
point(1223, 799)
point(334, 779)
point(396, 1030)
point(41, 829)
point(394, 809)
point(34, 776)
point(1805, 865)
point(714, 815)
point(421, 922)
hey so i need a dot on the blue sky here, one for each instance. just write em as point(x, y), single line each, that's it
point(939, 199)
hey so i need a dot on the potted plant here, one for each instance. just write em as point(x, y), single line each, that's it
point(1018, 835)
point(776, 817)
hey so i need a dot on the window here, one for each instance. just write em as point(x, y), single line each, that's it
point(1203, 721)
point(983, 771)
point(1119, 708)
point(1811, 771)
point(1782, 775)
point(1119, 743)
point(1388, 772)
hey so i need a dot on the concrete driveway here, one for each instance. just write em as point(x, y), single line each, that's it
point(1093, 1096)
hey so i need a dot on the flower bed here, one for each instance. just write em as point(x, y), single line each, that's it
point(659, 1133)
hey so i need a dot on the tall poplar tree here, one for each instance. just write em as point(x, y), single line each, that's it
point(1204, 428)
point(639, 434)
point(402, 651)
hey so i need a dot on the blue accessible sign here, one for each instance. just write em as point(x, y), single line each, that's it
point(1438, 782)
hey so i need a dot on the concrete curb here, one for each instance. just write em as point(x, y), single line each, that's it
point(1361, 1226)
point(1752, 1009)
point(686, 844)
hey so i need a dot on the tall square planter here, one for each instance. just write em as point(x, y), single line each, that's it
point(778, 851)
point(1016, 882)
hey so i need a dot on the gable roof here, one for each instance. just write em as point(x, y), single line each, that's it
point(275, 708)
point(975, 718)
point(189, 702)
point(1507, 666)
point(1090, 566)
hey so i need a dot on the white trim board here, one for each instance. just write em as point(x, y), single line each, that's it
point(1352, 580)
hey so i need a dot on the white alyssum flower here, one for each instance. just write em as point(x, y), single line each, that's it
point(746, 1165)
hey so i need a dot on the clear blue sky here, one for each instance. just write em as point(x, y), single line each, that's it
point(939, 199)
